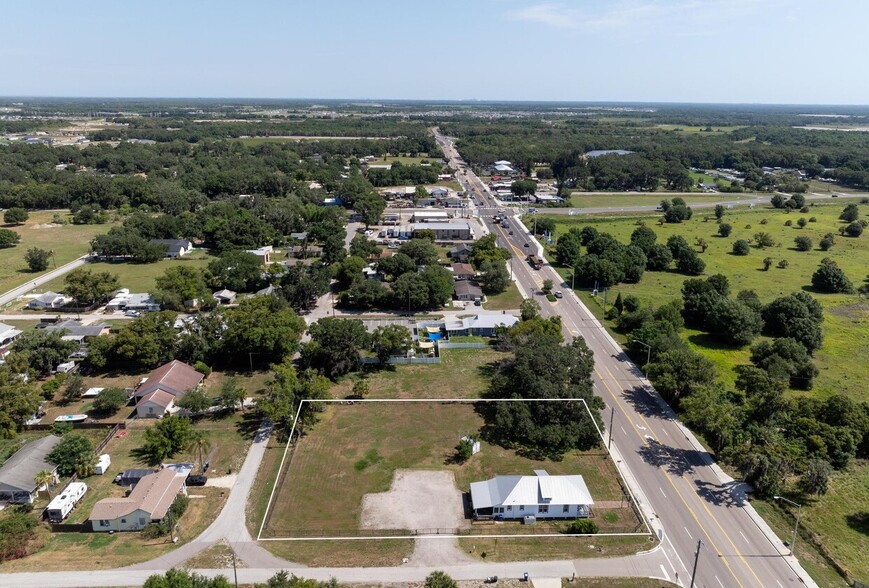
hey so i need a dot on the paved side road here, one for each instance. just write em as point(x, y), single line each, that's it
point(43, 279)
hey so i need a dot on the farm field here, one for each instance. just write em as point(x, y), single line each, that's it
point(138, 277)
point(68, 242)
point(355, 450)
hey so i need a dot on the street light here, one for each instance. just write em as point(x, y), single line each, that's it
point(796, 526)
point(648, 351)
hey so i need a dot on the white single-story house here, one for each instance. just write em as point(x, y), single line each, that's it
point(263, 253)
point(460, 231)
point(124, 300)
point(147, 503)
point(49, 300)
point(174, 247)
point(439, 192)
point(479, 325)
point(541, 496)
point(18, 472)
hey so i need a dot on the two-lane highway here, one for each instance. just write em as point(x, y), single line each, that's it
point(679, 486)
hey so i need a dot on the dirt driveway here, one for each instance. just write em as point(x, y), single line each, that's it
point(417, 500)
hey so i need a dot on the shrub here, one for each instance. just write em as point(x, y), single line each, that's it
point(830, 278)
point(763, 221)
point(826, 243)
point(200, 367)
point(783, 264)
point(789, 223)
point(741, 247)
point(582, 527)
point(813, 219)
point(803, 243)
point(855, 229)
point(725, 229)
point(804, 209)
point(802, 222)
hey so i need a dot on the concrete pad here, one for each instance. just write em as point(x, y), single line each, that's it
point(546, 582)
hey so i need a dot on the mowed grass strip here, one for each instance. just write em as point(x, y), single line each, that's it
point(355, 449)
point(67, 241)
point(616, 200)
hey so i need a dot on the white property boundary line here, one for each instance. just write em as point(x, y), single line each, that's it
point(624, 484)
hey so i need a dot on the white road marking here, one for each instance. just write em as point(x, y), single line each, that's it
point(623, 430)
point(744, 537)
point(779, 584)
point(662, 491)
point(665, 432)
point(640, 427)
point(688, 533)
point(719, 582)
point(666, 575)
point(676, 553)
point(664, 551)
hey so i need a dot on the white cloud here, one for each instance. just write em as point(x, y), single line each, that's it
point(628, 14)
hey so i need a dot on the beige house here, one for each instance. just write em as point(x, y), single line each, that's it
point(155, 405)
point(147, 503)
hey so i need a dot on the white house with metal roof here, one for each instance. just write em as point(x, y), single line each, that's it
point(541, 496)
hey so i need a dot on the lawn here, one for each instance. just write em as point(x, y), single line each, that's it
point(138, 277)
point(510, 299)
point(355, 449)
point(405, 160)
point(67, 241)
point(462, 373)
point(549, 548)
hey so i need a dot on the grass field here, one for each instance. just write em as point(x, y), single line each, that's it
point(510, 299)
point(707, 179)
point(138, 277)
point(839, 518)
point(462, 373)
point(543, 548)
point(689, 129)
point(846, 327)
point(354, 450)
point(67, 241)
point(591, 200)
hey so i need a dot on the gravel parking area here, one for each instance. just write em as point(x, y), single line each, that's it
point(416, 500)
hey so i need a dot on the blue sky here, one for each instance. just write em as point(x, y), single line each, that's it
point(770, 51)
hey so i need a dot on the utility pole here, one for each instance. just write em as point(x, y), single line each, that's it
point(696, 559)
point(612, 417)
point(234, 569)
point(797, 525)
point(648, 351)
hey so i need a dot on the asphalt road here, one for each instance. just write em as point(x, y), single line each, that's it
point(42, 279)
point(684, 494)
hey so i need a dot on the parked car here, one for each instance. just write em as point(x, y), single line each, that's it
point(196, 480)
point(133, 313)
point(558, 294)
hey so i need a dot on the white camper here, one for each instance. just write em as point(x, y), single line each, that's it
point(103, 464)
point(60, 507)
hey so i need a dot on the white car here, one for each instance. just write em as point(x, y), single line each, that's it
point(133, 313)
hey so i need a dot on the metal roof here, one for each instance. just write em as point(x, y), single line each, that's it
point(18, 472)
point(527, 490)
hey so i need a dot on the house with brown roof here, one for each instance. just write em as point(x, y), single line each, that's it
point(463, 271)
point(155, 405)
point(173, 380)
point(147, 503)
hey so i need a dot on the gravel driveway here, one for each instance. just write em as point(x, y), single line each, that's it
point(417, 500)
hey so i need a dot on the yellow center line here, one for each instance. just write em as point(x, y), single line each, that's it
point(667, 476)
point(669, 479)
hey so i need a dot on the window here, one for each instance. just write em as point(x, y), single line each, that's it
point(509, 508)
point(543, 508)
point(566, 508)
point(123, 520)
point(521, 507)
point(105, 523)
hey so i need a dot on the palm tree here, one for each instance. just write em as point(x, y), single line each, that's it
point(201, 443)
point(44, 478)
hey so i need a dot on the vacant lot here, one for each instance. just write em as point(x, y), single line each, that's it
point(356, 449)
point(138, 277)
point(616, 200)
point(462, 373)
point(67, 241)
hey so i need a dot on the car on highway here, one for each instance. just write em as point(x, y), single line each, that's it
point(510, 233)
point(558, 294)
point(196, 480)
point(527, 244)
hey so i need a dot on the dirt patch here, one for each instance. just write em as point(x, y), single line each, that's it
point(416, 500)
point(45, 226)
point(859, 310)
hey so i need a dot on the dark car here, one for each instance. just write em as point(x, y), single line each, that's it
point(195, 480)
point(527, 244)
